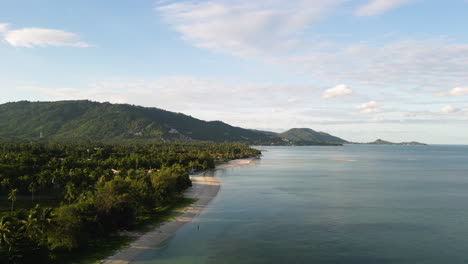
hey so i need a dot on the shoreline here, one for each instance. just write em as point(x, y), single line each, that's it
point(204, 189)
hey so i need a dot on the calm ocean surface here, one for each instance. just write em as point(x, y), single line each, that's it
point(356, 204)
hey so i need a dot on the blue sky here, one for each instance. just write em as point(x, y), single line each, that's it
point(359, 69)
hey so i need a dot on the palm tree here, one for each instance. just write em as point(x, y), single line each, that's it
point(30, 226)
point(12, 197)
point(70, 192)
point(42, 215)
point(5, 233)
point(45, 215)
point(32, 188)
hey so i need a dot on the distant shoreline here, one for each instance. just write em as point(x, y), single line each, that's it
point(204, 189)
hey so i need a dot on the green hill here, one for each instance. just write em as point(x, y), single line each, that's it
point(307, 136)
point(106, 122)
point(83, 120)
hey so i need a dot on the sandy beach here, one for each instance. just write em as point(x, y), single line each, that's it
point(204, 189)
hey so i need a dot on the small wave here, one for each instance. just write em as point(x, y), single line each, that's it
point(345, 160)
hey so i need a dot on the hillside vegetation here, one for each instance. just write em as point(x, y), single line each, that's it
point(72, 120)
point(307, 136)
point(86, 121)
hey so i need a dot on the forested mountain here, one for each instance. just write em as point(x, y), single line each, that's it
point(307, 136)
point(83, 120)
point(105, 122)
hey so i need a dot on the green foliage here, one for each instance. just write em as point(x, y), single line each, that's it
point(97, 189)
point(115, 206)
point(306, 136)
point(23, 236)
point(105, 122)
point(73, 225)
point(12, 197)
point(169, 180)
point(84, 121)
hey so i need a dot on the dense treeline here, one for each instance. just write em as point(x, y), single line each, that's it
point(98, 188)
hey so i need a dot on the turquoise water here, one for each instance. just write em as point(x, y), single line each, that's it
point(356, 204)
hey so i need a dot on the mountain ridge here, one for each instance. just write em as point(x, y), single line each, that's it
point(95, 121)
point(303, 136)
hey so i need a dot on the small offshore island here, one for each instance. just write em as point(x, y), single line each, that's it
point(384, 142)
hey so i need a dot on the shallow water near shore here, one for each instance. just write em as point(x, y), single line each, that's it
point(355, 204)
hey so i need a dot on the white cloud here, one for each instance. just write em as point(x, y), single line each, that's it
point(449, 109)
point(458, 91)
point(376, 7)
point(370, 110)
point(3, 27)
point(31, 37)
point(370, 104)
point(370, 107)
point(244, 28)
point(337, 91)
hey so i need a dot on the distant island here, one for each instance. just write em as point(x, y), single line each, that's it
point(384, 142)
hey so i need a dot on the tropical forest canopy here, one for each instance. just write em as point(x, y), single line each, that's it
point(60, 197)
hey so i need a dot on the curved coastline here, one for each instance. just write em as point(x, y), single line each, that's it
point(204, 189)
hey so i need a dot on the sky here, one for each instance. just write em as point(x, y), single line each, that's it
point(358, 69)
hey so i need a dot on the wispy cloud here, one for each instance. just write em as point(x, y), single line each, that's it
point(337, 91)
point(429, 64)
point(273, 31)
point(376, 7)
point(40, 37)
point(449, 109)
point(245, 28)
point(458, 91)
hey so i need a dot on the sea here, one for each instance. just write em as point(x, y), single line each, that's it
point(351, 204)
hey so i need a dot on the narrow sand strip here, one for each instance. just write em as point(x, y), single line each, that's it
point(204, 189)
